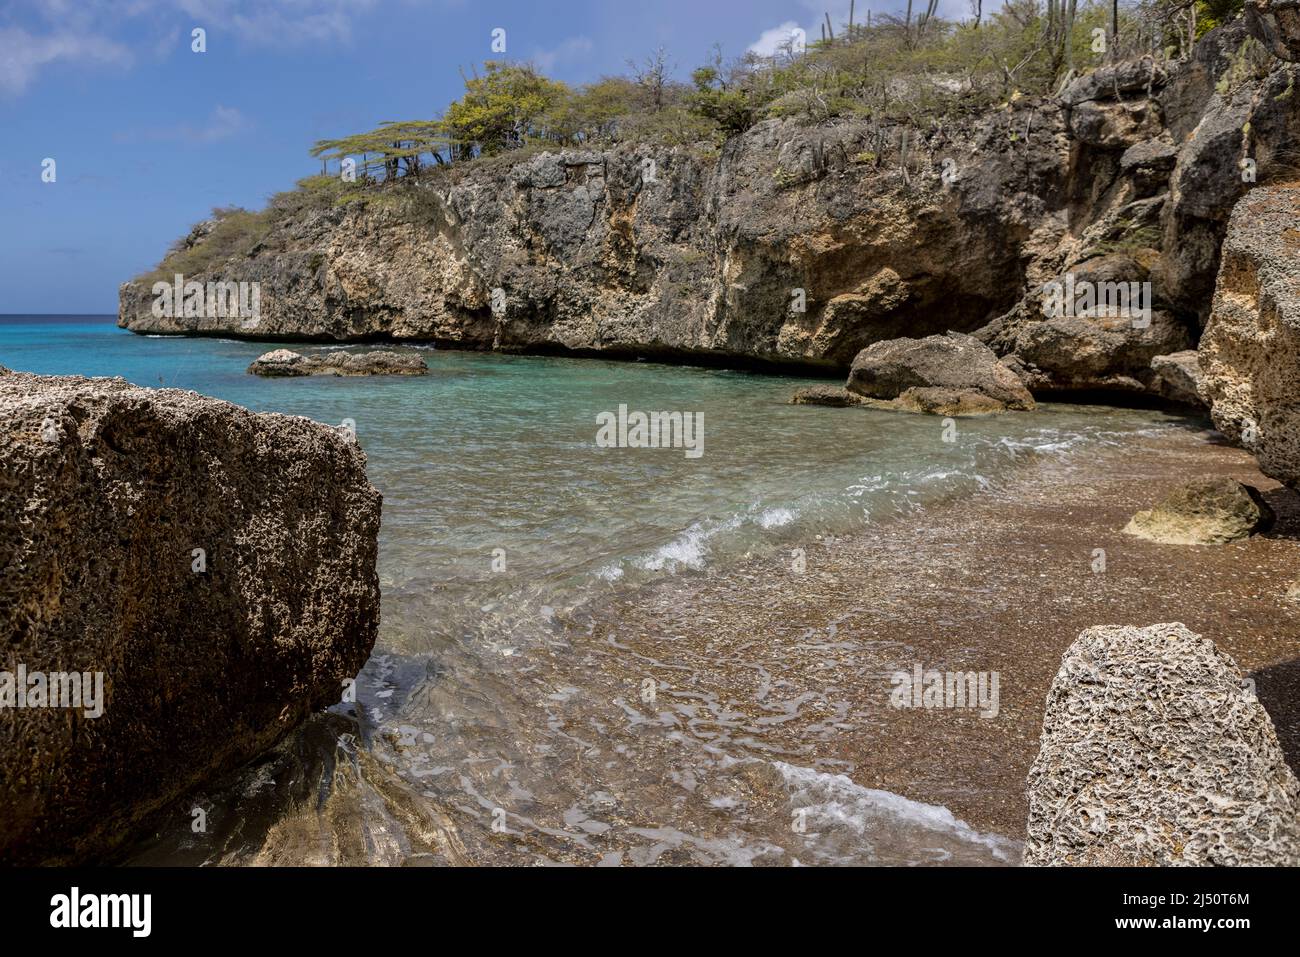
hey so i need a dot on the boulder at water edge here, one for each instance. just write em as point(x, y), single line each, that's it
point(952, 374)
point(211, 568)
point(1204, 512)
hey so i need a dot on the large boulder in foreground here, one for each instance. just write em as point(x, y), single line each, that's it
point(1208, 511)
point(1250, 351)
point(1153, 752)
point(285, 362)
point(951, 374)
point(108, 492)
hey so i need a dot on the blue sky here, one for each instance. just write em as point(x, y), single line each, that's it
point(148, 136)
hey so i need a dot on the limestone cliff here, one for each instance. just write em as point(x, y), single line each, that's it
point(800, 245)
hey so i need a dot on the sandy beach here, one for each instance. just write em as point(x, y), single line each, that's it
point(798, 665)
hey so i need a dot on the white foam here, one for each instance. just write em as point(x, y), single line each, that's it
point(832, 802)
point(775, 517)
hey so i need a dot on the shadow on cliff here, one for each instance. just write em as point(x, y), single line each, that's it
point(1278, 690)
point(1286, 506)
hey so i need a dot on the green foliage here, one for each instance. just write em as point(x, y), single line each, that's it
point(898, 71)
point(235, 231)
point(1215, 13)
point(593, 113)
point(733, 108)
point(1128, 238)
point(1250, 62)
point(390, 148)
point(502, 109)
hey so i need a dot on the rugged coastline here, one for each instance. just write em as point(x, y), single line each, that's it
point(767, 665)
point(840, 248)
point(798, 245)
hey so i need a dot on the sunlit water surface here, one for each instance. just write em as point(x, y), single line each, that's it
point(481, 734)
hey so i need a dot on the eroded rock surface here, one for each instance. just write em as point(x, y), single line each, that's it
point(1154, 752)
point(951, 374)
point(1204, 512)
point(1276, 24)
point(215, 565)
point(798, 244)
point(1250, 352)
point(1179, 376)
point(836, 396)
point(285, 362)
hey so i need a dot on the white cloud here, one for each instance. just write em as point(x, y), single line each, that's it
point(22, 55)
point(224, 122)
point(83, 31)
point(774, 39)
point(545, 60)
point(276, 24)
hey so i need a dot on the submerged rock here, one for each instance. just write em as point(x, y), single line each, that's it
point(1153, 752)
point(283, 362)
point(1204, 512)
point(952, 374)
point(831, 395)
point(216, 569)
point(1250, 351)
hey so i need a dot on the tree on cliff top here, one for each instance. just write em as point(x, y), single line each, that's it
point(501, 109)
point(892, 69)
point(393, 146)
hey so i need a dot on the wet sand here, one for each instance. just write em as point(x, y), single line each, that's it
point(795, 666)
point(686, 722)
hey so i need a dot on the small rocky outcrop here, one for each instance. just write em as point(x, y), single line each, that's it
point(1092, 328)
point(952, 374)
point(1179, 377)
point(285, 362)
point(832, 395)
point(1154, 753)
point(1250, 351)
point(216, 569)
point(1204, 512)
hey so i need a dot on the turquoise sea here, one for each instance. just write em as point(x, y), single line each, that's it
point(502, 515)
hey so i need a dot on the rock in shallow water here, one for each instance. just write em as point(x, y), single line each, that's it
point(1153, 752)
point(215, 565)
point(831, 395)
point(1204, 512)
point(285, 362)
point(952, 374)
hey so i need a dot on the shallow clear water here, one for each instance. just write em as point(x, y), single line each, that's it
point(502, 518)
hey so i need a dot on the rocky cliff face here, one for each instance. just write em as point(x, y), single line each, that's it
point(1250, 353)
point(802, 245)
point(794, 245)
point(215, 568)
